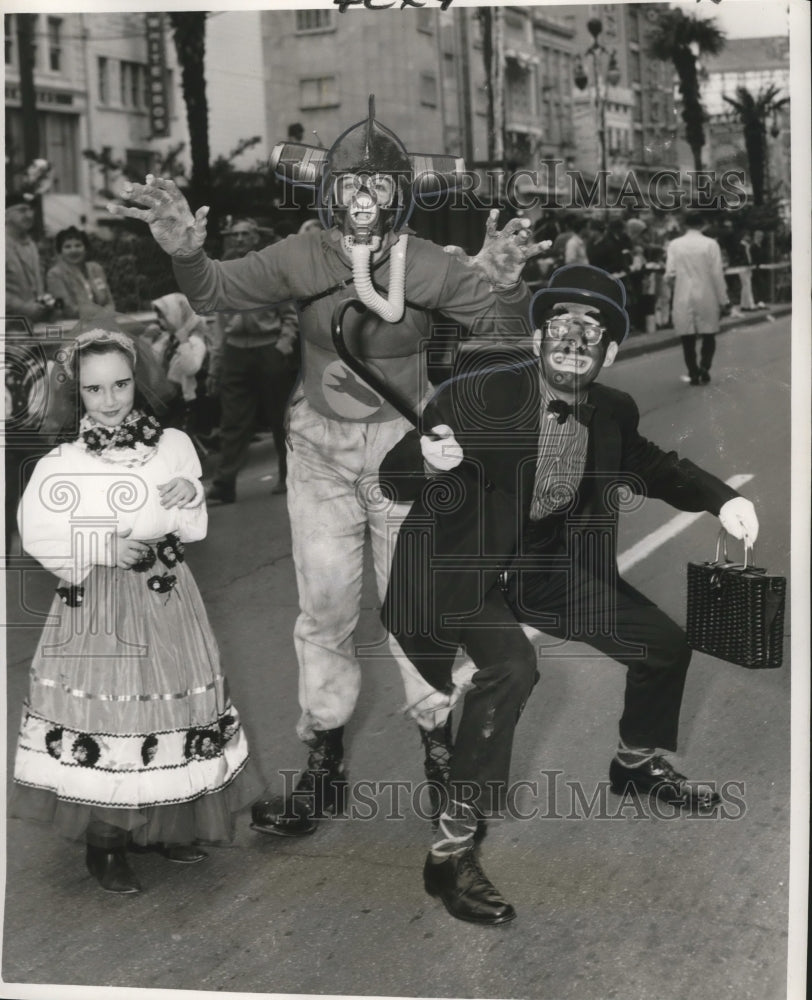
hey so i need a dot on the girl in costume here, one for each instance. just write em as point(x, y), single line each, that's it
point(128, 739)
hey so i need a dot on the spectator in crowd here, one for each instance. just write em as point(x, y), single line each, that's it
point(253, 368)
point(575, 246)
point(760, 256)
point(744, 260)
point(565, 232)
point(78, 284)
point(694, 265)
point(27, 303)
point(26, 297)
point(182, 347)
point(612, 250)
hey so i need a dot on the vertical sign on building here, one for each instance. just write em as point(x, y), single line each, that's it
point(156, 69)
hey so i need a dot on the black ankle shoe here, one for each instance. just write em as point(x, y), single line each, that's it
point(465, 890)
point(704, 376)
point(182, 854)
point(111, 870)
point(320, 789)
point(658, 778)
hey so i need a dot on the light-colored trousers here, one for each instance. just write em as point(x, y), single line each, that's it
point(333, 497)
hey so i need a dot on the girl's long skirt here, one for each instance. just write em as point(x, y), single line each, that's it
point(128, 719)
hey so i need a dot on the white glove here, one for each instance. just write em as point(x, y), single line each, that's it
point(442, 451)
point(738, 518)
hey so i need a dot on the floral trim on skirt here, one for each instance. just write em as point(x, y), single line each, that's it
point(128, 718)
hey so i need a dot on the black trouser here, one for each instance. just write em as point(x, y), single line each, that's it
point(706, 352)
point(254, 380)
point(619, 621)
point(506, 672)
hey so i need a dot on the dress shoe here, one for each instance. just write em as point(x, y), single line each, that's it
point(111, 870)
point(694, 380)
point(218, 494)
point(704, 376)
point(658, 778)
point(279, 488)
point(182, 854)
point(321, 788)
point(465, 890)
point(282, 819)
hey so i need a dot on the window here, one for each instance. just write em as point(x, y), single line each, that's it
point(518, 96)
point(103, 67)
point(58, 142)
point(428, 90)
point(139, 163)
point(319, 91)
point(132, 83)
point(8, 22)
point(61, 134)
point(481, 100)
point(55, 44)
point(314, 20)
point(449, 66)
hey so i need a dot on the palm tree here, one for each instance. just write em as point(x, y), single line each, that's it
point(753, 113)
point(678, 38)
point(189, 31)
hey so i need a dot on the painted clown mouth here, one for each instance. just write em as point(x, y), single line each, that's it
point(577, 363)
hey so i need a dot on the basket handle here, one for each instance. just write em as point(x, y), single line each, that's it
point(749, 550)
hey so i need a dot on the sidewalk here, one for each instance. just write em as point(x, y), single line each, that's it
point(644, 343)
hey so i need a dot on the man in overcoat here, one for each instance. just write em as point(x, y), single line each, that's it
point(517, 482)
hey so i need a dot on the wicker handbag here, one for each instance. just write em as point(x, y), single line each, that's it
point(736, 611)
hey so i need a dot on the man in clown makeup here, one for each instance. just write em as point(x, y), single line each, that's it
point(534, 459)
point(340, 428)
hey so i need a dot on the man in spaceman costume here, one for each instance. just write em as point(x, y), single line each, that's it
point(340, 428)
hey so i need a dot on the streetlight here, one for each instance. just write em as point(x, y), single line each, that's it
point(602, 81)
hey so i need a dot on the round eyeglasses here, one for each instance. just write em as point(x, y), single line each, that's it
point(564, 327)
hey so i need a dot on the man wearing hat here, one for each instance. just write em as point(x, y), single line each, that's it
point(25, 292)
point(517, 481)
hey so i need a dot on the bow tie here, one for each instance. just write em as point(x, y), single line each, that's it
point(583, 412)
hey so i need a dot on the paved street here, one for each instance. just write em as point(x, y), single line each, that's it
point(611, 904)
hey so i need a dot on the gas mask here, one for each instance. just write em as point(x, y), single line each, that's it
point(366, 206)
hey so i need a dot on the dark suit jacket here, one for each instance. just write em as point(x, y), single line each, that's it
point(467, 525)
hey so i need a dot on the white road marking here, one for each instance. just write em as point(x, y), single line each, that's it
point(642, 549)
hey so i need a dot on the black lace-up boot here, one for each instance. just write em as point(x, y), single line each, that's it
point(321, 788)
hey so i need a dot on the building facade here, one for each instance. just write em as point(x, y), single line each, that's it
point(92, 84)
point(638, 110)
point(755, 64)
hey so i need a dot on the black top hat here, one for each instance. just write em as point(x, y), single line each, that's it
point(588, 286)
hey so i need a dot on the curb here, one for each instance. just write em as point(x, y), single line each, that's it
point(647, 343)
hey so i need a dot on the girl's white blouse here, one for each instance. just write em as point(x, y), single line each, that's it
point(75, 502)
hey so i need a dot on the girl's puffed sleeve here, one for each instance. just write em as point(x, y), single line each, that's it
point(194, 518)
point(49, 532)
